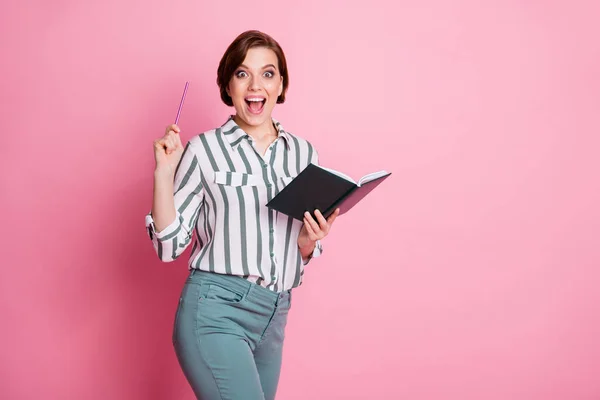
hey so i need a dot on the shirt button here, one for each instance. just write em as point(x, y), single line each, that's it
point(269, 185)
point(271, 230)
point(274, 278)
point(264, 165)
point(272, 254)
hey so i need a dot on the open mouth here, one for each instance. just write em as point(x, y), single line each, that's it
point(255, 104)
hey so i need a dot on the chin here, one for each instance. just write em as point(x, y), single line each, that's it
point(253, 119)
point(257, 120)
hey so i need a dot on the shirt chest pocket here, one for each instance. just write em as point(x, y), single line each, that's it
point(236, 179)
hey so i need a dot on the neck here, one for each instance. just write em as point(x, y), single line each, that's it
point(259, 133)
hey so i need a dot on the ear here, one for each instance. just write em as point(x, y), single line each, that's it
point(280, 87)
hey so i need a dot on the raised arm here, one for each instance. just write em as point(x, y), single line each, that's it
point(178, 195)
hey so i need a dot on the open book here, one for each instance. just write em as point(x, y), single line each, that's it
point(324, 189)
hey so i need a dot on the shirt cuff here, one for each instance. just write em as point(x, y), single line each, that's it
point(151, 229)
point(316, 252)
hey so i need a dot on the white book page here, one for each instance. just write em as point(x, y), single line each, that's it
point(338, 173)
point(370, 177)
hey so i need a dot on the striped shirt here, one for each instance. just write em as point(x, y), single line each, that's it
point(221, 187)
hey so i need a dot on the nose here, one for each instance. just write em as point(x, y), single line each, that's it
point(254, 83)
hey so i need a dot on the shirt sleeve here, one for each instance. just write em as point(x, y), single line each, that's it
point(316, 252)
point(318, 246)
point(188, 194)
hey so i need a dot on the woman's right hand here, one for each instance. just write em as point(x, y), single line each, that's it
point(168, 150)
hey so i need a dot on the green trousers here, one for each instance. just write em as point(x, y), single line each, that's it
point(228, 336)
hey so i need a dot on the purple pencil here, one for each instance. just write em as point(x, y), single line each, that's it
point(181, 103)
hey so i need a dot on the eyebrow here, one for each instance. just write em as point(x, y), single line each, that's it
point(265, 67)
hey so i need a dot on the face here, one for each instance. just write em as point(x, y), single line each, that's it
point(255, 86)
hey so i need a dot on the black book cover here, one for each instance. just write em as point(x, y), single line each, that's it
point(317, 188)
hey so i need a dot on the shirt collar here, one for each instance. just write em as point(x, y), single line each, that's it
point(234, 134)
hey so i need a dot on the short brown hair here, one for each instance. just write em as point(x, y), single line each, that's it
point(236, 54)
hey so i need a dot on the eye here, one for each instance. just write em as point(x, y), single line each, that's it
point(269, 74)
point(241, 74)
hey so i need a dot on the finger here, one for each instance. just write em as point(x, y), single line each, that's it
point(311, 234)
point(178, 141)
point(322, 221)
point(172, 128)
point(174, 140)
point(167, 145)
point(172, 144)
point(333, 216)
point(171, 134)
point(313, 224)
point(159, 143)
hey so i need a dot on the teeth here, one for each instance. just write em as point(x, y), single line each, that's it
point(254, 99)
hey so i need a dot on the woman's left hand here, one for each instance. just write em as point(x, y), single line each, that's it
point(314, 230)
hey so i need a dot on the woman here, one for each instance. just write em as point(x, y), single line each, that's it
point(246, 258)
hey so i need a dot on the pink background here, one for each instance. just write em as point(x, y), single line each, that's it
point(472, 273)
